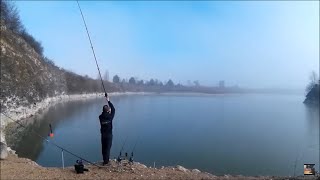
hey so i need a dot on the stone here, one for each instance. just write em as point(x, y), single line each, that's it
point(226, 176)
point(3, 124)
point(180, 168)
point(11, 151)
point(3, 151)
point(33, 163)
point(196, 171)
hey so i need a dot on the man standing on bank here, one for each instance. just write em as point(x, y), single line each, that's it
point(106, 118)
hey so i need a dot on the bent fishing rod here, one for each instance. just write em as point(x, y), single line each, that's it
point(52, 143)
point(94, 54)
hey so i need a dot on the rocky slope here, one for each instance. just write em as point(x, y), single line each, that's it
point(28, 78)
point(25, 77)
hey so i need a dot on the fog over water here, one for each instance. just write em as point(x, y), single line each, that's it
point(253, 134)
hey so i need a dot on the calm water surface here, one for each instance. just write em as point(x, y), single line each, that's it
point(253, 134)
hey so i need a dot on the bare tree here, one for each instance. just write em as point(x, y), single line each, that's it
point(10, 16)
point(170, 83)
point(314, 77)
point(140, 82)
point(151, 82)
point(11, 20)
point(116, 79)
point(132, 80)
point(196, 83)
point(313, 81)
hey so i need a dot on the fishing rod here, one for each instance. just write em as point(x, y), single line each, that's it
point(52, 143)
point(120, 154)
point(94, 54)
point(131, 157)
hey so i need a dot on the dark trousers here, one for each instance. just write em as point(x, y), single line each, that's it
point(106, 142)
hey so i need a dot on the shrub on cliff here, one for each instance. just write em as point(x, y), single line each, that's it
point(10, 19)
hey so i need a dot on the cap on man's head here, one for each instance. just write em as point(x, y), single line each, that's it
point(106, 108)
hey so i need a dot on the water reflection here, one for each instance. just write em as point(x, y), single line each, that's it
point(312, 116)
point(40, 124)
point(313, 133)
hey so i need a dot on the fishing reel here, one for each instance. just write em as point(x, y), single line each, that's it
point(121, 157)
point(125, 157)
point(79, 167)
point(131, 158)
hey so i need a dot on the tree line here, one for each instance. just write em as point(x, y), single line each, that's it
point(133, 81)
point(313, 89)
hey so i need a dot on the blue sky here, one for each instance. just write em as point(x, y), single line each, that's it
point(249, 43)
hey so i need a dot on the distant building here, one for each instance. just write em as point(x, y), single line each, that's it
point(221, 84)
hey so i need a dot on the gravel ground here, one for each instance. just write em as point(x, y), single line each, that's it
point(22, 168)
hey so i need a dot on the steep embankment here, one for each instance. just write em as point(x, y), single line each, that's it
point(25, 76)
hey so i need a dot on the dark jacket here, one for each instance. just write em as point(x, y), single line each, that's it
point(106, 120)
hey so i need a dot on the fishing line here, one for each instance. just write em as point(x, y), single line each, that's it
point(135, 145)
point(120, 157)
point(131, 156)
point(123, 145)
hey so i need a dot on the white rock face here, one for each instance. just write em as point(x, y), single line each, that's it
point(196, 171)
point(3, 151)
point(11, 151)
point(180, 168)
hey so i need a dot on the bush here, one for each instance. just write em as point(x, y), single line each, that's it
point(36, 45)
point(10, 16)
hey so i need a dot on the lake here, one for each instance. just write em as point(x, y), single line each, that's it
point(248, 134)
